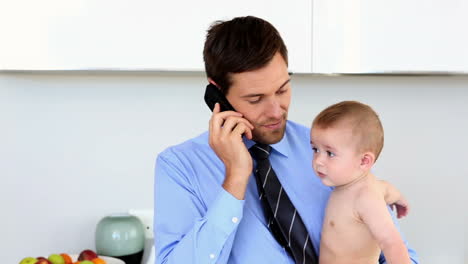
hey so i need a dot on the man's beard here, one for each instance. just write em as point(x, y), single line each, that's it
point(262, 135)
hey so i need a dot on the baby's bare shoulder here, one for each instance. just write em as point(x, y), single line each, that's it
point(372, 189)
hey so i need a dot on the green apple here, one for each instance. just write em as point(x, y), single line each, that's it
point(28, 260)
point(86, 262)
point(56, 259)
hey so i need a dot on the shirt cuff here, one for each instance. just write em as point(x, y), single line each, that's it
point(226, 211)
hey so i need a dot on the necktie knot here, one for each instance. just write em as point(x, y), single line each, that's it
point(260, 151)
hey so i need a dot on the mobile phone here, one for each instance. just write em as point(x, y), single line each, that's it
point(213, 95)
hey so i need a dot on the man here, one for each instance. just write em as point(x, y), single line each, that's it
point(209, 206)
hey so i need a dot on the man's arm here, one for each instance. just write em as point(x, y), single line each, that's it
point(371, 208)
point(185, 230)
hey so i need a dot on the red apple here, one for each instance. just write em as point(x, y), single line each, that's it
point(87, 254)
point(42, 260)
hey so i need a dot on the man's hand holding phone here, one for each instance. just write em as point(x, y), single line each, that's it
point(225, 138)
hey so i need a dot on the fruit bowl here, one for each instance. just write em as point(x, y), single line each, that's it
point(109, 260)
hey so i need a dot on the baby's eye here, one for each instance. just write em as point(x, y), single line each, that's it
point(330, 154)
point(315, 150)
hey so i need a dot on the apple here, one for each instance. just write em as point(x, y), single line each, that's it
point(87, 254)
point(67, 258)
point(86, 262)
point(42, 260)
point(56, 259)
point(28, 260)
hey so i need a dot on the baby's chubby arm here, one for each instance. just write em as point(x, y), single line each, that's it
point(372, 210)
point(394, 198)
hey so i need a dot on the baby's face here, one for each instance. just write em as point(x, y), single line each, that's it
point(335, 159)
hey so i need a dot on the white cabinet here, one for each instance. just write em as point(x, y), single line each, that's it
point(184, 27)
point(375, 36)
point(135, 35)
point(322, 36)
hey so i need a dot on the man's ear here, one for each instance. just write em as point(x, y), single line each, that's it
point(367, 160)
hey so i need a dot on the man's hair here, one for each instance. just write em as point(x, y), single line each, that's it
point(362, 119)
point(239, 45)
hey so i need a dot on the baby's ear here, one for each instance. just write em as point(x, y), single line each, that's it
point(367, 160)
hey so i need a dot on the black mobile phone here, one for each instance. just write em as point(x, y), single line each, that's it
point(213, 95)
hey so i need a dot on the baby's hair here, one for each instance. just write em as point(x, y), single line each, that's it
point(362, 119)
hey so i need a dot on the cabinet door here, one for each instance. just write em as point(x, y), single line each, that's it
point(182, 28)
point(366, 36)
point(135, 35)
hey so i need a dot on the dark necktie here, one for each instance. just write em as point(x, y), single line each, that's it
point(283, 220)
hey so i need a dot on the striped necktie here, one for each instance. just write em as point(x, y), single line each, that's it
point(283, 220)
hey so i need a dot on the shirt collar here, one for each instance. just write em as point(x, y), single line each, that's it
point(282, 147)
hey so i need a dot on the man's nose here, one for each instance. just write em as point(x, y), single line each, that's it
point(274, 109)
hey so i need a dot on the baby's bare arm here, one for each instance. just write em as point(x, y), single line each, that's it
point(372, 209)
point(394, 198)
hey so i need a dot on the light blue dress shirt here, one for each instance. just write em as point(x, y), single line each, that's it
point(197, 221)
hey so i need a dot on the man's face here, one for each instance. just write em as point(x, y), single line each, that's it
point(263, 97)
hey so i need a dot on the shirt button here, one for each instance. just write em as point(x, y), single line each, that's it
point(235, 220)
point(212, 256)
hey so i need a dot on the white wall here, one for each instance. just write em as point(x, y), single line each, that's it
point(77, 146)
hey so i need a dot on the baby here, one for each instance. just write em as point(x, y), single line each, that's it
point(346, 139)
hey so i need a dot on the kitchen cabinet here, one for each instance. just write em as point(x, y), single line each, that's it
point(184, 28)
point(136, 35)
point(381, 36)
point(322, 36)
